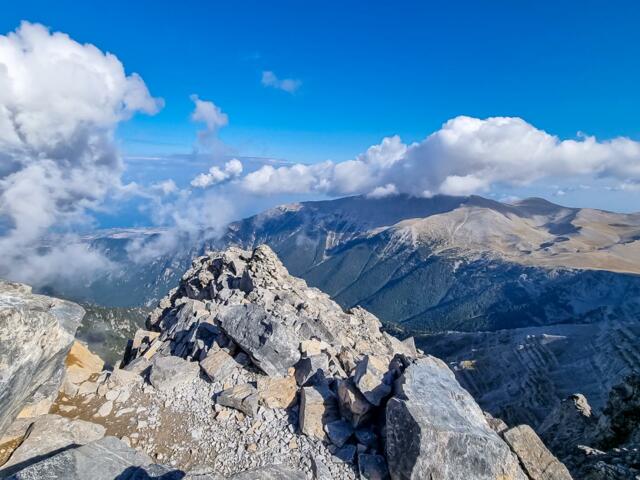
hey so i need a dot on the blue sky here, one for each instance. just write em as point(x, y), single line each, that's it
point(366, 70)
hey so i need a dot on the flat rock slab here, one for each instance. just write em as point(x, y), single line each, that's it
point(170, 372)
point(436, 430)
point(50, 433)
point(219, 365)
point(277, 392)
point(537, 460)
point(273, 472)
point(104, 459)
point(241, 397)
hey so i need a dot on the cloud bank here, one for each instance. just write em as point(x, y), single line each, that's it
point(289, 85)
point(467, 155)
point(60, 102)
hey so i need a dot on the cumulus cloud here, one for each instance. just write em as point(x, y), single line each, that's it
point(232, 169)
point(465, 156)
point(60, 102)
point(289, 85)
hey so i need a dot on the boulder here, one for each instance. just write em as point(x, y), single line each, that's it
point(318, 406)
point(241, 397)
point(170, 372)
point(434, 429)
point(218, 365)
point(36, 333)
point(104, 459)
point(538, 462)
point(277, 392)
point(372, 377)
point(272, 345)
point(50, 434)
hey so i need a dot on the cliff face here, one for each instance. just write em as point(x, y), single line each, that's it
point(36, 333)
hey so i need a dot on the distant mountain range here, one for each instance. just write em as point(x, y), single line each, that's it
point(541, 282)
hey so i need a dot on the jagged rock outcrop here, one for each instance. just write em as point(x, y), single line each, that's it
point(36, 333)
point(599, 446)
point(246, 372)
point(436, 430)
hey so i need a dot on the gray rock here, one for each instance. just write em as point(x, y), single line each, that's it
point(367, 437)
point(320, 469)
point(372, 467)
point(104, 459)
point(51, 433)
point(36, 333)
point(339, 432)
point(272, 345)
point(538, 462)
point(434, 429)
point(272, 472)
point(372, 377)
point(241, 397)
point(312, 370)
point(345, 454)
point(170, 372)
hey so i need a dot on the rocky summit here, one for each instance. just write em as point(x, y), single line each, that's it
point(245, 372)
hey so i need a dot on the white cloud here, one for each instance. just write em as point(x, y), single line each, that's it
point(466, 155)
point(60, 102)
point(232, 169)
point(289, 85)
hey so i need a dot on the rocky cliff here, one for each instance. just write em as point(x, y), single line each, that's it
point(36, 333)
point(245, 372)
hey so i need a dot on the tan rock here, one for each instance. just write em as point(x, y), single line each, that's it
point(353, 405)
point(313, 347)
point(80, 365)
point(277, 392)
point(318, 406)
point(371, 378)
point(538, 462)
point(218, 365)
point(36, 409)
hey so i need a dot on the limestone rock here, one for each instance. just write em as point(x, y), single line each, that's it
point(36, 333)
point(218, 365)
point(318, 406)
point(338, 432)
point(51, 433)
point(277, 392)
point(538, 462)
point(170, 372)
point(242, 397)
point(372, 378)
point(272, 344)
point(312, 370)
point(104, 459)
point(81, 363)
point(434, 429)
point(353, 405)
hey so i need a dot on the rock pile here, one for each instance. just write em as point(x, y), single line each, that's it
point(245, 372)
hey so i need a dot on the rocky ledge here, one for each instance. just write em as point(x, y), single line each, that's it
point(245, 372)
